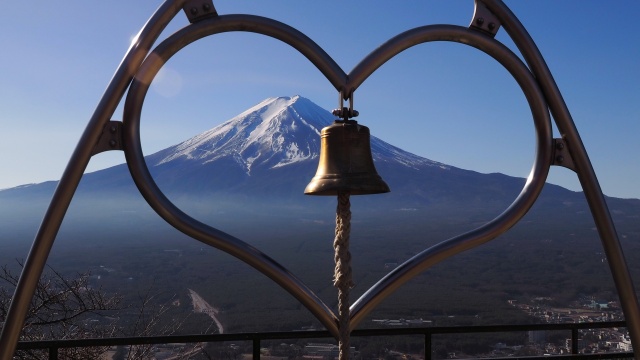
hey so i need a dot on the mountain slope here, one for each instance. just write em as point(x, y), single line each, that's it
point(271, 134)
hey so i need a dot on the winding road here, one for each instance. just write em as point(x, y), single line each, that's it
point(200, 305)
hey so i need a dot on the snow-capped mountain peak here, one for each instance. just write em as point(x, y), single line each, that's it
point(274, 133)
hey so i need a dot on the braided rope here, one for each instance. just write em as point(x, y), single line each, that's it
point(342, 276)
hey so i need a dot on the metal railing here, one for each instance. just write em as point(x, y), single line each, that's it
point(257, 338)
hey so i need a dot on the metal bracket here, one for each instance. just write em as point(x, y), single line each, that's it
point(345, 112)
point(197, 10)
point(484, 20)
point(110, 139)
point(561, 155)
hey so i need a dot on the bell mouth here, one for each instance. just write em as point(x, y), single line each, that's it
point(354, 184)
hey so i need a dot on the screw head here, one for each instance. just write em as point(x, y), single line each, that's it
point(194, 10)
point(113, 129)
point(559, 146)
point(559, 158)
point(492, 26)
point(480, 21)
point(206, 7)
point(113, 143)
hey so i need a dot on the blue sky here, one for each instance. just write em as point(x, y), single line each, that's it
point(443, 101)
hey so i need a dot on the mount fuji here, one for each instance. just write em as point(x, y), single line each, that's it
point(271, 148)
point(275, 133)
point(269, 153)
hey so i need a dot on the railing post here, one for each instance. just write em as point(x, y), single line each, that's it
point(427, 346)
point(574, 340)
point(256, 348)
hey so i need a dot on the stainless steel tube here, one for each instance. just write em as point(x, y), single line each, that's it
point(163, 206)
point(584, 169)
point(78, 162)
point(521, 204)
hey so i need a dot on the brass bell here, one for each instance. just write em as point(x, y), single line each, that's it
point(346, 163)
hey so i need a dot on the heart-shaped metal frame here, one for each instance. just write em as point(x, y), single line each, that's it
point(347, 84)
point(535, 81)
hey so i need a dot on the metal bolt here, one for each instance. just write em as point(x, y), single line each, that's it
point(112, 143)
point(480, 21)
point(194, 10)
point(113, 129)
point(559, 158)
point(559, 146)
point(492, 26)
point(206, 8)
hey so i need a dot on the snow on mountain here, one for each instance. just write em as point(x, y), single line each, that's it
point(384, 152)
point(274, 133)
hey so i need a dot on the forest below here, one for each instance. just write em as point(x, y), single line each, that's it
point(561, 261)
point(134, 254)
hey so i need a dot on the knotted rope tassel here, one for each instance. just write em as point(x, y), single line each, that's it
point(342, 277)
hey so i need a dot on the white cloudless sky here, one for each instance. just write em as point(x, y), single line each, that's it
point(443, 101)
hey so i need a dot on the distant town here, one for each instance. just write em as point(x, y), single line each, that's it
point(584, 310)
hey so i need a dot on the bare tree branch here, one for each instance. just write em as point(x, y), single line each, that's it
point(70, 308)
